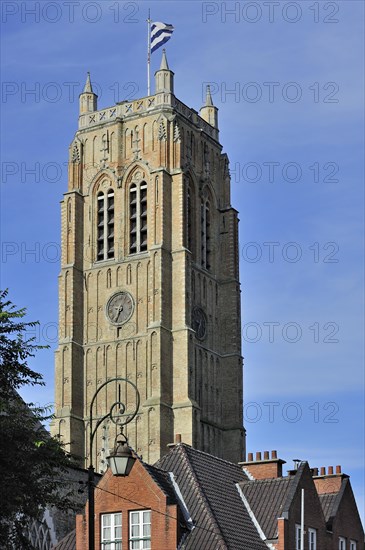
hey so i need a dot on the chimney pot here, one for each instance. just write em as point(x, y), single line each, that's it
point(266, 455)
point(323, 471)
point(338, 469)
point(250, 457)
point(258, 456)
point(274, 454)
point(177, 438)
point(330, 470)
point(315, 471)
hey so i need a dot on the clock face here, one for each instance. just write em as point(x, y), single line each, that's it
point(119, 308)
point(199, 323)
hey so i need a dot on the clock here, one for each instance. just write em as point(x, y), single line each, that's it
point(120, 307)
point(199, 322)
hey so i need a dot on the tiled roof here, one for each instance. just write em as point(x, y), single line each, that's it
point(330, 502)
point(266, 498)
point(208, 487)
point(67, 543)
point(163, 481)
point(327, 501)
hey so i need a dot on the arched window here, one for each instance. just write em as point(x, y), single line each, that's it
point(138, 218)
point(205, 234)
point(190, 218)
point(105, 226)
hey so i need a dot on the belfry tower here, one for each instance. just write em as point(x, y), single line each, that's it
point(149, 284)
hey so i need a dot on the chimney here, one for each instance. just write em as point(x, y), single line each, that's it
point(172, 446)
point(264, 468)
point(330, 483)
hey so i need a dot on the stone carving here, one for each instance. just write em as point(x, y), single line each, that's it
point(75, 154)
point(162, 134)
point(177, 136)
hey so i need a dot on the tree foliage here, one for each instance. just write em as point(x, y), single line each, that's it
point(31, 461)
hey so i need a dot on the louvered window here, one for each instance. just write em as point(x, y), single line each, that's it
point(105, 226)
point(138, 218)
point(205, 235)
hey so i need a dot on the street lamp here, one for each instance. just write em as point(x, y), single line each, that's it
point(121, 459)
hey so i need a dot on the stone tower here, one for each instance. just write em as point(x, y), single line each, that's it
point(149, 284)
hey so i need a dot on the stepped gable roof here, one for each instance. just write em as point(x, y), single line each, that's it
point(208, 487)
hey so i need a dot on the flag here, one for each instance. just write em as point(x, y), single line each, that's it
point(160, 33)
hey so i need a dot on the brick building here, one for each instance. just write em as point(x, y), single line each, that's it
point(192, 500)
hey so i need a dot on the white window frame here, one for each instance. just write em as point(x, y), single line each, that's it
point(297, 536)
point(353, 545)
point(140, 538)
point(341, 543)
point(312, 538)
point(113, 542)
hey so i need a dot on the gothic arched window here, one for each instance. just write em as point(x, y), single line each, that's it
point(190, 218)
point(105, 225)
point(206, 251)
point(138, 217)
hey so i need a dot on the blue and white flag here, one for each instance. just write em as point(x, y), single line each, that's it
point(160, 33)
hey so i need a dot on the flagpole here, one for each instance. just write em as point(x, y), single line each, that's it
point(149, 53)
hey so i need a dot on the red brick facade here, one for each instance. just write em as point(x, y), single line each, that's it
point(329, 504)
point(138, 491)
point(245, 507)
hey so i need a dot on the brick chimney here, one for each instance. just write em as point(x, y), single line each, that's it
point(264, 468)
point(177, 441)
point(330, 482)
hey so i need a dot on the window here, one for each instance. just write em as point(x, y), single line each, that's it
point(312, 539)
point(297, 537)
point(138, 218)
point(111, 531)
point(105, 226)
point(140, 530)
point(341, 543)
point(189, 213)
point(352, 545)
point(189, 220)
point(205, 235)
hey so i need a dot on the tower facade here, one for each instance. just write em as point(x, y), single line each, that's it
point(149, 283)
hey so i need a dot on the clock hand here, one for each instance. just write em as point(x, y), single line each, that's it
point(120, 309)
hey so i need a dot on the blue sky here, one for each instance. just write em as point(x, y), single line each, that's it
point(288, 81)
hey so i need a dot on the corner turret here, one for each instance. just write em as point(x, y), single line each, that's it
point(88, 100)
point(164, 77)
point(209, 112)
